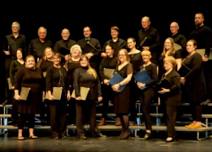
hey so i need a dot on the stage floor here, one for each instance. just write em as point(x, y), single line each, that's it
point(108, 144)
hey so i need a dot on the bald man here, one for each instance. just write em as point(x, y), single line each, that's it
point(38, 45)
point(148, 36)
point(176, 35)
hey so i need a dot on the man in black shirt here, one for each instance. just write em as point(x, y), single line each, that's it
point(63, 46)
point(148, 36)
point(38, 45)
point(90, 47)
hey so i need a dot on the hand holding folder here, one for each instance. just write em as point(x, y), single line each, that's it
point(83, 93)
point(24, 93)
point(142, 76)
point(116, 79)
point(108, 73)
point(57, 93)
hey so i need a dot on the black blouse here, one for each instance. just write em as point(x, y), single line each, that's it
point(83, 79)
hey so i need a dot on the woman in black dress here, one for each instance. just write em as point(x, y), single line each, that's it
point(147, 89)
point(194, 82)
point(56, 78)
point(170, 93)
point(32, 78)
point(86, 76)
point(136, 60)
point(122, 98)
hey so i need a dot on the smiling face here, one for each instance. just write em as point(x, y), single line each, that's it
point(56, 59)
point(146, 56)
point(191, 46)
point(84, 61)
point(122, 55)
point(109, 50)
point(131, 43)
point(30, 62)
point(87, 32)
point(65, 34)
point(19, 54)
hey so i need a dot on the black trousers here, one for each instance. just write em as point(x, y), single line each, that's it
point(57, 113)
point(85, 112)
point(107, 96)
point(146, 98)
point(25, 120)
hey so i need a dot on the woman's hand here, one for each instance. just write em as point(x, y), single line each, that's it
point(78, 98)
point(141, 85)
point(182, 80)
point(163, 91)
point(116, 87)
point(68, 95)
point(100, 98)
point(17, 97)
point(106, 81)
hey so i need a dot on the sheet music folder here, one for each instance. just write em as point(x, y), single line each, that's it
point(83, 93)
point(24, 93)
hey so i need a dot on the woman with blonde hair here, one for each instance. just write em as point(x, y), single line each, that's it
point(170, 48)
point(86, 77)
point(170, 94)
point(122, 97)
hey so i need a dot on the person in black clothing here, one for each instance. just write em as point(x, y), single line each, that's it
point(147, 90)
point(122, 97)
point(176, 35)
point(32, 78)
point(170, 94)
point(148, 36)
point(38, 45)
point(71, 65)
point(90, 47)
point(116, 42)
point(16, 40)
point(57, 78)
point(44, 64)
point(203, 35)
point(86, 76)
point(63, 46)
point(46, 61)
point(194, 82)
point(136, 61)
point(109, 62)
point(178, 38)
point(14, 67)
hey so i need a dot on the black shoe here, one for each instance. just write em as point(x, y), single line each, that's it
point(147, 136)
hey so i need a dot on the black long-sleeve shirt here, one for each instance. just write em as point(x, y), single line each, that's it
point(109, 63)
point(56, 77)
point(15, 43)
point(83, 79)
point(14, 66)
point(63, 46)
point(36, 47)
point(117, 45)
point(149, 38)
point(203, 36)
